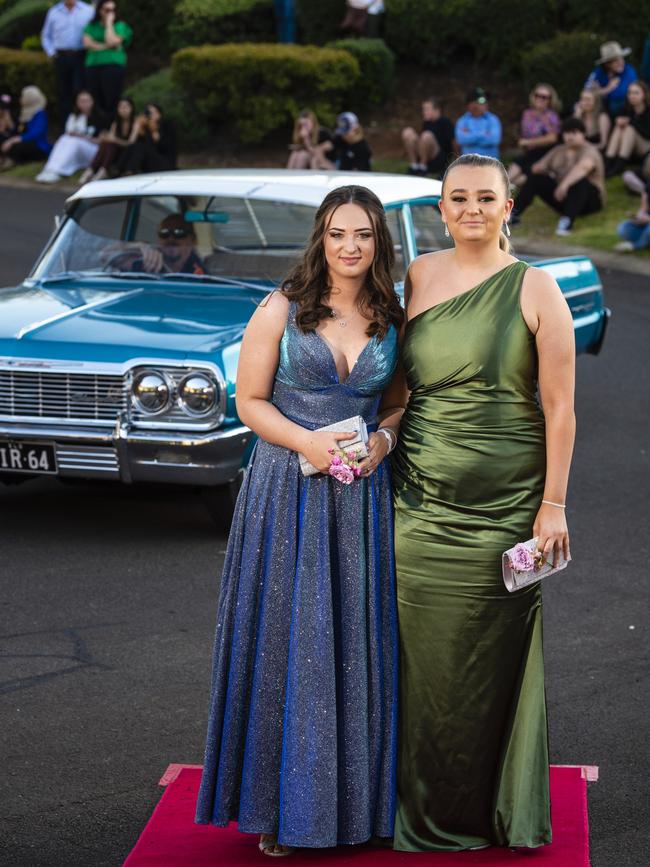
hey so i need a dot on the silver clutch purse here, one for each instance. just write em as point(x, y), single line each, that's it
point(523, 565)
point(358, 444)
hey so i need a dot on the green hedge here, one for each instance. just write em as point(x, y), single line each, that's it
point(20, 68)
point(628, 21)
point(260, 88)
point(193, 132)
point(22, 19)
point(431, 33)
point(377, 65)
point(319, 20)
point(564, 61)
point(197, 22)
point(150, 22)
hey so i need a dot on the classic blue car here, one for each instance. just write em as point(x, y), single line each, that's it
point(118, 362)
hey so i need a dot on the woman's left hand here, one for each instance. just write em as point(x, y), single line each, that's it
point(377, 451)
point(550, 529)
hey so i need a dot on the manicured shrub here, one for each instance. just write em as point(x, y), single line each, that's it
point(20, 20)
point(197, 22)
point(564, 61)
point(377, 65)
point(150, 22)
point(260, 88)
point(628, 22)
point(32, 43)
point(193, 132)
point(319, 20)
point(431, 33)
point(20, 68)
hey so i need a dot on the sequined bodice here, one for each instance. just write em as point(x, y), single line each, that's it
point(307, 386)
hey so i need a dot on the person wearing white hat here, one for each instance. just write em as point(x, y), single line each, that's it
point(612, 76)
point(351, 150)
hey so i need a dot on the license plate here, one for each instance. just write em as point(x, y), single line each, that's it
point(16, 457)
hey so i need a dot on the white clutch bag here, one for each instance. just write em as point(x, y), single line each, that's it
point(523, 565)
point(358, 444)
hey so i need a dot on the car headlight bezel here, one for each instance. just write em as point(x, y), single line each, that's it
point(136, 399)
point(181, 399)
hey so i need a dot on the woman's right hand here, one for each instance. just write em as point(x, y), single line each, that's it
point(317, 444)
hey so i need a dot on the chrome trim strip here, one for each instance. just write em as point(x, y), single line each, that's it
point(120, 435)
point(573, 293)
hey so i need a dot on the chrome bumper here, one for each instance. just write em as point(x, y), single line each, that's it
point(131, 455)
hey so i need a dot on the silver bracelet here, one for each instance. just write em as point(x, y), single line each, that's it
point(389, 434)
point(557, 505)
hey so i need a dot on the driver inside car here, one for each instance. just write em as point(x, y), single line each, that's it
point(174, 253)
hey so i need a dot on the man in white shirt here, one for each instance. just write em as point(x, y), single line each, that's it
point(62, 40)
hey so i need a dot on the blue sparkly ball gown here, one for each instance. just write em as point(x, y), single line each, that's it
point(302, 721)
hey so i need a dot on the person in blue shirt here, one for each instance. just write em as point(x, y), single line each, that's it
point(30, 143)
point(62, 41)
point(478, 131)
point(612, 76)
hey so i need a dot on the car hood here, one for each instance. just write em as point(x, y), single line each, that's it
point(99, 323)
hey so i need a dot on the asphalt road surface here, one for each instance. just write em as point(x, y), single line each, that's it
point(108, 598)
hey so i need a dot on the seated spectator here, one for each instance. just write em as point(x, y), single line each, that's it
point(432, 149)
point(570, 178)
point(153, 147)
point(7, 122)
point(478, 131)
point(174, 253)
point(636, 231)
point(29, 143)
point(636, 180)
point(540, 130)
point(105, 40)
point(351, 150)
point(77, 147)
point(311, 144)
point(112, 143)
point(631, 134)
point(612, 76)
point(597, 122)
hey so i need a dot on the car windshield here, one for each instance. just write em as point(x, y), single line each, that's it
point(199, 236)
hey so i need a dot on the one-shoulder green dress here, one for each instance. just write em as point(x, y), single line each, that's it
point(468, 477)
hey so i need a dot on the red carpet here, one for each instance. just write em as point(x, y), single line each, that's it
point(171, 839)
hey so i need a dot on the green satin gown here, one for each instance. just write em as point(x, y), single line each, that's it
point(468, 477)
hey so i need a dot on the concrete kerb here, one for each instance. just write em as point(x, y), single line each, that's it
point(626, 262)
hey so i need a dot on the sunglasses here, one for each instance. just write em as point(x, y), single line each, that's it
point(542, 96)
point(173, 233)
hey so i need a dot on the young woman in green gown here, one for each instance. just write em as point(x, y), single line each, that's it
point(479, 466)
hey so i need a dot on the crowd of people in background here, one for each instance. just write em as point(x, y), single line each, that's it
point(562, 158)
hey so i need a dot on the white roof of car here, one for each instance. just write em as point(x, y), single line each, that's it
point(297, 187)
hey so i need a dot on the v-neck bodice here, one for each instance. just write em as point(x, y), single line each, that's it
point(307, 386)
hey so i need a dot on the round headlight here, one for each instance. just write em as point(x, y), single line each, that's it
point(151, 392)
point(197, 394)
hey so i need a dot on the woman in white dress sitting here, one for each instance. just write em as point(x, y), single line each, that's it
point(77, 147)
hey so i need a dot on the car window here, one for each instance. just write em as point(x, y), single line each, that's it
point(429, 228)
point(395, 226)
point(150, 212)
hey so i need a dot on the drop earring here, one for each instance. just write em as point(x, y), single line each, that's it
point(446, 231)
point(506, 228)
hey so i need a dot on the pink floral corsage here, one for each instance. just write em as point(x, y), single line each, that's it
point(344, 466)
point(525, 559)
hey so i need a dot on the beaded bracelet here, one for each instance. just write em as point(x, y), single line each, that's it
point(389, 434)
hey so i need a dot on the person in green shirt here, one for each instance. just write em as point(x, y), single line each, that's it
point(105, 40)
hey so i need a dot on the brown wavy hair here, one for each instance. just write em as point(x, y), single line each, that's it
point(309, 282)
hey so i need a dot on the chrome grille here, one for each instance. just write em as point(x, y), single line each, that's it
point(40, 394)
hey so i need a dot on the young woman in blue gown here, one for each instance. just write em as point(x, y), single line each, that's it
point(301, 743)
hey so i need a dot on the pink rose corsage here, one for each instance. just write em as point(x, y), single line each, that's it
point(525, 559)
point(344, 466)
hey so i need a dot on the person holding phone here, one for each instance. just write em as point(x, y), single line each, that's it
point(105, 40)
point(152, 146)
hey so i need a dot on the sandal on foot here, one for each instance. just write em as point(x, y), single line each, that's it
point(269, 845)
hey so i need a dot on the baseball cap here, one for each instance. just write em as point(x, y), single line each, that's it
point(478, 95)
point(345, 122)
